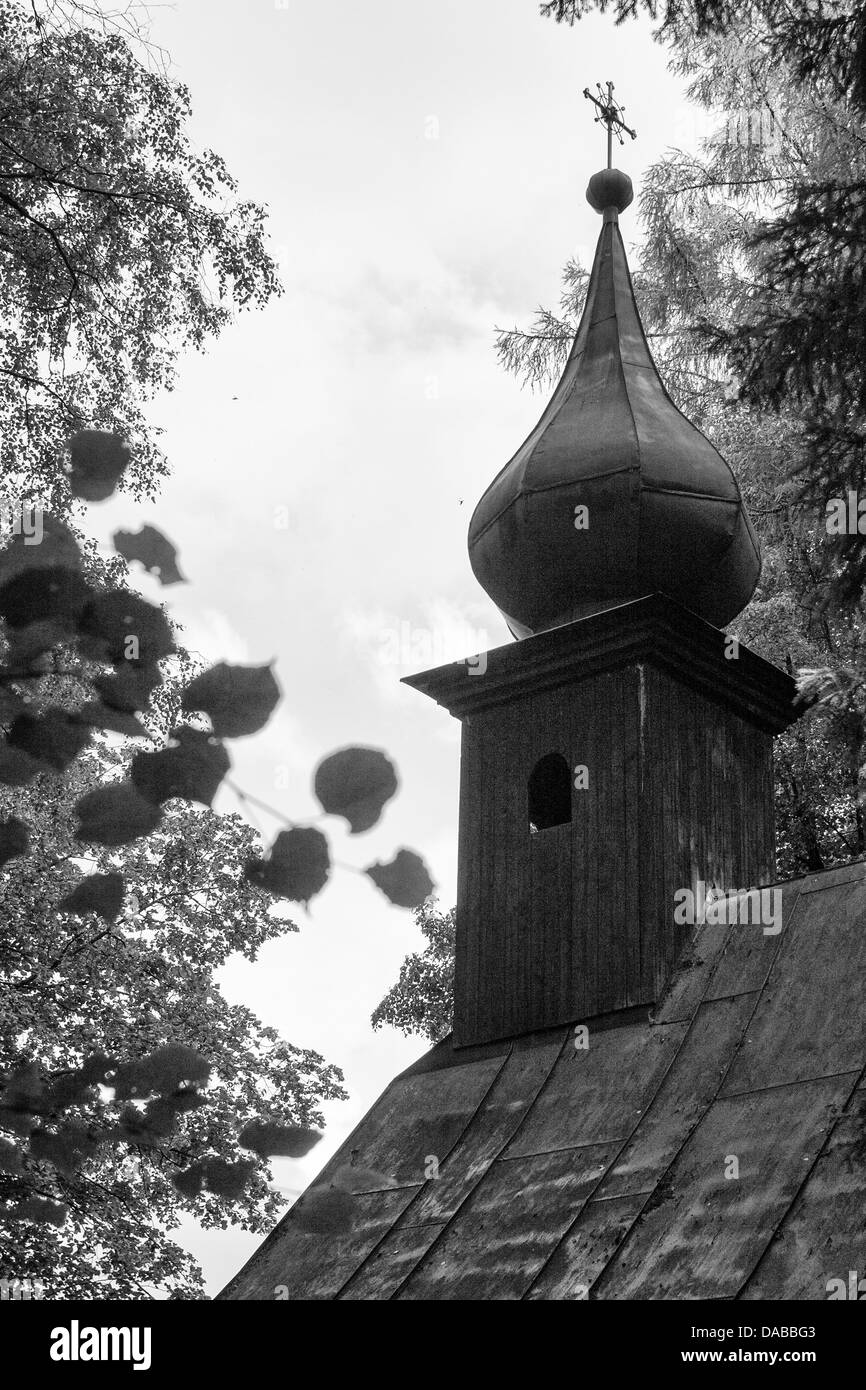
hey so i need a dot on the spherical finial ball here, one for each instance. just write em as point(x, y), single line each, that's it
point(609, 188)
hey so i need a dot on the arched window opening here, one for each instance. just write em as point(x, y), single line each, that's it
point(549, 793)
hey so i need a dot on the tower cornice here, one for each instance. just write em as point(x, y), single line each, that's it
point(654, 629)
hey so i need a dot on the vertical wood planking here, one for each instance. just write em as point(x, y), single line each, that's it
point(608, 854)
point(512, 849)
point(652, 828)
point(578, 920)
point(629, 822)
point(590, 740)
point(578, 957)
point(468, 992)
point(497, 946)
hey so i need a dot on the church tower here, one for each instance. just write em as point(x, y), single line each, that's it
point(621, 751)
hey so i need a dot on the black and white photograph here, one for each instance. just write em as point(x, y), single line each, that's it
point(432, 675)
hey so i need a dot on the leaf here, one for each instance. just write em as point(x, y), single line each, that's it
point(66, 1149)
point(98, 463)
point(297, 867)
point(120, 626)
point(187, 1098)
point(130, 687)
point(35, 1209)
point(171, 1066)
point(192, 767)
point(238, 699)
point(101, 893)
point(41, 594)
point(405, 881)
point(271, 1140)
point(353, 1178)
point(29, 646)
point(23, 1095)
point(11, 703)
point(134, 1127)
point(77, 1086)
point(10, 1157)
point(17, 768)
point(217, 1174)
point(325, 1211)
point(153, 550)
point(19, 1121)
point(162, 1072)
point(96, 1067)
point(355, 783)
point(175, 1064)
point(189, 1181)
point(14, 839)
point(58, 548)
point(53, 738)
point(228, 1179)
point(153, 1124)
point(115, 815)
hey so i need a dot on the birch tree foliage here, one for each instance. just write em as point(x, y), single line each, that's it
point(422, 998)
point(75, 987)
point(121, 244)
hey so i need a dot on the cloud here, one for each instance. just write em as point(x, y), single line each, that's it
point(212, 636)
point(411, 308)
point(408, 312)
point(393, 645)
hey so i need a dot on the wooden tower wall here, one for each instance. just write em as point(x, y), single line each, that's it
point(578, 919)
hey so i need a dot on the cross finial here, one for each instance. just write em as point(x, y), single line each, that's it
point(610, 114)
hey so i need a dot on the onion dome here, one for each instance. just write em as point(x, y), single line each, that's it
point(615, 494)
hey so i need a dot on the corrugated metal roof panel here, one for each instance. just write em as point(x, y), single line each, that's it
point(683, 1096)
point(510, 1226)
point(315, 1266)
point(702, 1233)
point(589, 1244)
point(823, 1236)
point(811, 1019)
point(383, 1272)
point(598, 1095)
point(503, 1110)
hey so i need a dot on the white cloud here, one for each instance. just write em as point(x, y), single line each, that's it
point(436, 633)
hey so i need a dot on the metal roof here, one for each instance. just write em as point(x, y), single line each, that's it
point(568, 1173)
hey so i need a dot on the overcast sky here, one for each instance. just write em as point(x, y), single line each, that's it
point(424, 167)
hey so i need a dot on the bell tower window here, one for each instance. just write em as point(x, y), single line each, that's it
point(549, 793)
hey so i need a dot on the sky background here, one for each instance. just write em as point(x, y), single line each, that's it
point(424, 168)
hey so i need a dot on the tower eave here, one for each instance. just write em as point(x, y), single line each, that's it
point(654, 629)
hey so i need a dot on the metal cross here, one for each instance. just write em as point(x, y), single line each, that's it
point(610, 114)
